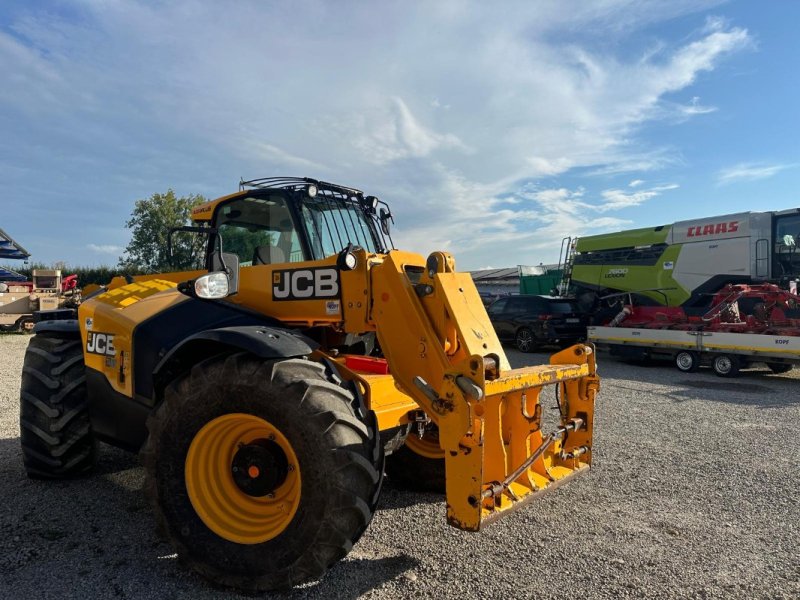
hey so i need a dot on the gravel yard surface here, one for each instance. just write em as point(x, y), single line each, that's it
point(695, 492)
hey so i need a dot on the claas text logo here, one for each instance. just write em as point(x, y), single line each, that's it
point(713, 229)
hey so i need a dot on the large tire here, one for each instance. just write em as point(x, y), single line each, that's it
point(330, 495)
point(419, 464)
point(56, 433)
point(779, 368)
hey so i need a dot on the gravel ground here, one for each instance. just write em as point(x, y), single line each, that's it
point(694, 493)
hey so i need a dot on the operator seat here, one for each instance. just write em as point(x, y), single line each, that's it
point(268, 255)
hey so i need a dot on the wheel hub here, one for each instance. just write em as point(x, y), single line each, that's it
point(259, 468)
point(243, 478)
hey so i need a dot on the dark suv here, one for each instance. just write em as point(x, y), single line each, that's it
point(532, 321)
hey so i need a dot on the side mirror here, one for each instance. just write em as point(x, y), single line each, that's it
point(228, 263)
point(385, 218)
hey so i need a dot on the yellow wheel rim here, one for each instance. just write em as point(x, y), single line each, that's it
point(243, 478)
point(428, 446)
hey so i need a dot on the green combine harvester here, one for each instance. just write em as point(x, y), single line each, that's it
point(682, 264)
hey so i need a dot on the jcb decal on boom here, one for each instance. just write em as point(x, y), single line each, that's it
point(305, 284)
point(100, 343)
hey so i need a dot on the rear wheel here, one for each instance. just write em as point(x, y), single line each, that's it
point(524, 340)
point(419, 463)
point(262, 473)
point(726, 365)
point(779, 368)
point(687, 361)
point(55, 431)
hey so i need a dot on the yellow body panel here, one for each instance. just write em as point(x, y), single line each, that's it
point(255, 292)
point(116, 313)
point(175, 277)
point(203, 212)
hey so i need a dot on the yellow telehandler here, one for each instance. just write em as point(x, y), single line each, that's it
point(267, 392)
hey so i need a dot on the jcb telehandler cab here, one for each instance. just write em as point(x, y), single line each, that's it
point(265, 391)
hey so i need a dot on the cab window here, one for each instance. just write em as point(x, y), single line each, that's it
point(787, 234)
point(259, 230)
point(332, 223)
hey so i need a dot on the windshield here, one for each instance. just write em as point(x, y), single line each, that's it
point(259, 230)
point(334, 222)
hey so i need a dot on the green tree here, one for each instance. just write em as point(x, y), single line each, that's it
point(150, 223)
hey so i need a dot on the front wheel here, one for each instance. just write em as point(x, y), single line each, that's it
point(524, 340)
point(687, 361)
point(262, 473)
point(726, 365)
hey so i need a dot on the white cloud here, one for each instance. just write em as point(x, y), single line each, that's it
point(552, 214)
point(750, 172)
point(105, 248)
point(695, 108)
point(618, 199)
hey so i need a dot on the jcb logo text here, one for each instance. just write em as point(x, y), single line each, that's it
point(305, 284)
point(100, 343)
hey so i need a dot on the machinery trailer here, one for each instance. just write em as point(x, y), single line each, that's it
point(725, 352)
point(746, 324)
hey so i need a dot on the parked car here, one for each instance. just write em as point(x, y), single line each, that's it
point(533, 321)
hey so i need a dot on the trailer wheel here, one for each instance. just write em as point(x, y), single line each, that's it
point(26, 325)
point(687, 361)
point(524, 340)
point(779, 368)
point(55, 430)
point(263, 474)
point(726, 365)
point(419, 463)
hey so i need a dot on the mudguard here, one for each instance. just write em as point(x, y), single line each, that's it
point(262, 341)
point(62, 326)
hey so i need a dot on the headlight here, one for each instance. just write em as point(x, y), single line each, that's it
point(212, 286)
point(350, 261)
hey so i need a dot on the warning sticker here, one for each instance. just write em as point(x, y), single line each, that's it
point(332, 307)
